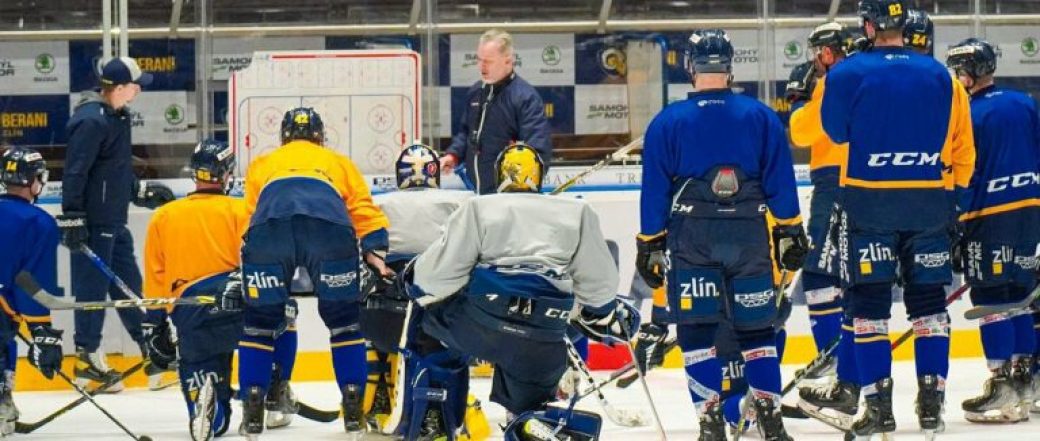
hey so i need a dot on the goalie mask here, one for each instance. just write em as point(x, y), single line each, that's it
point(418, 166)
point(520, 169)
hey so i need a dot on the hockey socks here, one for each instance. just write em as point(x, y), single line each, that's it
point(349, 359)
point(704, 377)
point(285, 352)
point(255, 361)
point(932, 346)
point(871, 343)
point(762, 371)
point(846, 353)
point(998, 339)
point(1025, 337)
point(825, 311)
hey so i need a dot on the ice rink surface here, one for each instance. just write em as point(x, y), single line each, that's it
point(162, 415)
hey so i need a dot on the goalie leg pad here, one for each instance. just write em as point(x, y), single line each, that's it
point(579, 425)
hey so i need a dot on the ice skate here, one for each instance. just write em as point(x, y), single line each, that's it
point(930, 405)
point(280, 401)
point(353, 412)
point(998, 402)
point(201, 424)
point(877, 418)
point(1022, 379)
point(770, 422)
point(712, 424)
point(93, 366)
point(8, 412)
point(835, 404)
point(252, 415)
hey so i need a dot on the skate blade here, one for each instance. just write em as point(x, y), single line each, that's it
point(7, 427)
point(837, 420)
point(994, 416)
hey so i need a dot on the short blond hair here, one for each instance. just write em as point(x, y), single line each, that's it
point(503, 38)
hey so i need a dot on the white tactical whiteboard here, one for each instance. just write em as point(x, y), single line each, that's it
point(368, 101)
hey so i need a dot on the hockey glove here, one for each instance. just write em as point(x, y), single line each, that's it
point(610, 323)
point(230, 299)
point(158, 344)
point(45, 352)
point(791, 247)
point(650, 260)
point(801, 83)
point(74, 232)
point(652, 343)
point(151, 195)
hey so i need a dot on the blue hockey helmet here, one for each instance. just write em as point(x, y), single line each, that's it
point(22, 166)
point(709, 51)
point(303, 123)
point(972, 57)
point(885, 15)
point(857, 41)
point(418, 166)
point(212, 161)
point(919, 32)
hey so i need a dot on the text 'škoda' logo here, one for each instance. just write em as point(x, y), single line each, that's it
point(1030, 47)
point(793, 50)
point(174, 114)
point(44, 63)
point(552, 55)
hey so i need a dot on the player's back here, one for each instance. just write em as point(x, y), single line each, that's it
point(901, 114)
point(417, 217)
point(300, 178)
point(716, 127)
point(192, 238)
point(1007, 143)
point(521, 228)
point(22, 224)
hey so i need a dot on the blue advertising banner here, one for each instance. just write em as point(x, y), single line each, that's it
point(34, 120)
point(171, 62)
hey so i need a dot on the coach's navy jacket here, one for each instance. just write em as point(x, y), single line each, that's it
point(99, 172)
point(497, 114)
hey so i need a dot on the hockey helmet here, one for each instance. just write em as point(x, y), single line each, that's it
point(520, 169)
point(919, 32)
point(418, 166)
point(972, 57)
point(303, 123)
point(212, 161)
point(885, 15)
point(22, 166)
point(709, 51)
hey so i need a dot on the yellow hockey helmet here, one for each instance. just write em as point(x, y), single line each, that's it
point(520, 169)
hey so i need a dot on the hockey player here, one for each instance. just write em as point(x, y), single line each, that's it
point(919, 32)
point(912, 157)
point(1001, 229)
point(191, 249)
point(712, 166)
point(830, 44)
point(417, 214)
point(499, 285)
point(30, 237)
point(311, 212)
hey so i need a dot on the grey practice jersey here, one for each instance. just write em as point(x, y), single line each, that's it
point(417, 216)
point(555, 235)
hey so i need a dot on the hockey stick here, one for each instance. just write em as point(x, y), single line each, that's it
point(23, 428)
point(984, 310)
point(305, 410)
point(621, 417)
point(625, 379)
point(646, 387)
point(103, 267)
point(618, 155)
point(28, 283)
point(86, 395)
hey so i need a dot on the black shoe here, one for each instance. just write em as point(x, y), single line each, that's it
point(877, 418)
point(252, 413)
point(353, 412)
point(930, 404)
point(770, 421)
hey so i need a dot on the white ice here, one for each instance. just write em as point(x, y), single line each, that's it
point(162, 415)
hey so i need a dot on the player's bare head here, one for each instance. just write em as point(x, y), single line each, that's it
point(212, 165)
point(418, 167)
point(709, 58)
point(302, 124)
point(974, 62)
point(23, 172)
point(495, 55)
point(828, 45)
point(883, 21)
point(520, 169)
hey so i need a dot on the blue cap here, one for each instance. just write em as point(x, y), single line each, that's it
point(124, 70)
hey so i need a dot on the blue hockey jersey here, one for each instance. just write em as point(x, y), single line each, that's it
point(1007, 143)
point(908, 126)
point(711, 128)
point(30, 243)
